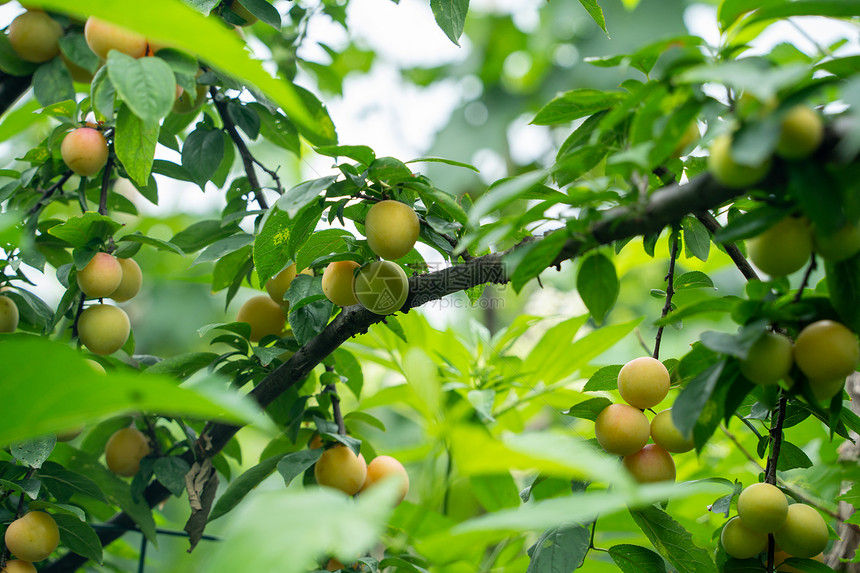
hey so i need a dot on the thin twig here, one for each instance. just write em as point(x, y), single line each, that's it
point(711, 223)
point(803, 284)
point(772, 462)
point(248, 160)
point(670, 289)
point(335, 405)
point(49, 192)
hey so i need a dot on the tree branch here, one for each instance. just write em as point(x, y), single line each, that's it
point(664, 207)
point(711, 223)
point(670, 290)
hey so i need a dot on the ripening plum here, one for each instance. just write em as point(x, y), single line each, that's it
point(8, 315)
point(643, 382)
point(650, 464)
point(740, 541)
point(187, 103)
point(103, 36)
point(124, 450)
point(132, 278)
point(824, 390)
point(804, 533)
point(382, 467)
point(666, 435)
point(801, 133)
point(391, 228)
point(838, 246)
point(33, 537)
point(783, 248)
point(35, 36)
point(826, 351)
point(762, 507)
point(769, 359)
point(79, 74)
point(690, 135)
point(727, 171)
point(341, 469)
point(381, 287)
point(84, 151)
point(264, 315)
point(621, 429)
point(337, 282)
point(278, 284)
point(18, 566)
point(101, 276)
point(103, 328)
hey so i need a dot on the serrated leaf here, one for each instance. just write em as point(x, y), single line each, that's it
point(79, 537)
point(170, 472)
point(296, 198)
point(78, 231)
point(589, 409)
point(596, 12)
point(524, 264)
point(604, 379)
point(134, 144)
point(673, 542)
point(202, 153)
point(559, 549)
point(636, 559)
point(146, 85)
point(319, 244)
point(450, 15)
point(597, 284)
point(697, 239)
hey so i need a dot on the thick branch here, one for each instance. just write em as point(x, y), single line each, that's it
point(665, 207)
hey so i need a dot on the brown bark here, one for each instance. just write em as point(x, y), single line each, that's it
point(849, 535)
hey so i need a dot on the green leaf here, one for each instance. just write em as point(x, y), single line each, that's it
point(831, 8)
point(445, 161)
point(605, 379)
point(146, 85)
point(807, 565)
point(102, 95)
point(495, 491)
point(791, 457)
point(596, 13)
point(559, 549)
point(35, 451)
point(598, 285)
point(360, 153)
point(264, 11)
point(724, 304)
point(78, 231)
point(170, 471)
point(200, 234)
point(74, 46)
point(11, 62)
point(242, 485)
point(79, 537)
point(635, 559)
point(309, 320)
point(843, 284)
point(202, 154)
point(450, 15)
point(83, 397)
point(159, 244)
point(689, 404)
point(589, 409)
point(697, 239)
point(293, 465)
point(293, 200)
point(223, 247)
point(28, 487)
point(134, 144)
point(320, 244)
point(692, 280)
point(52, 83)
point(673, 542)
point(525, 263)
point(576, 104)
point(62, 483)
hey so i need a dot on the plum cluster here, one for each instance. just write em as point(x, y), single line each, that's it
point(624, 430)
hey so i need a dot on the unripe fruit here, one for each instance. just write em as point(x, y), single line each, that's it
point(826, 351)
point(643, 382)
point(8, 315)
point(650, 464)
point(729, 173)
point(839, 246)
point(666, 435)
point(740, 541)
point(769, 359)
point(802, 133)
point(341, 469)
point(101, 276)
point(84, 151)
point(825, 390)
point(278, 285)
point(621, 429)
point(103, 36)
point(783, 248)
point(70, 435)
point(381, 287)
point(18, 566)
point(690, 135)
point(132, 278)
point(103, 328)
point(264, 315)
point(337, 282)
point(382, 467)
point(33, 537)
point(35, 36)
point(762, 507)
point(124, 450)
point(391, 228)
point(804, 533)
point(97, 368)
point(243, 13)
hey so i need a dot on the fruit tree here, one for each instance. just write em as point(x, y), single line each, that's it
point(372, 286)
